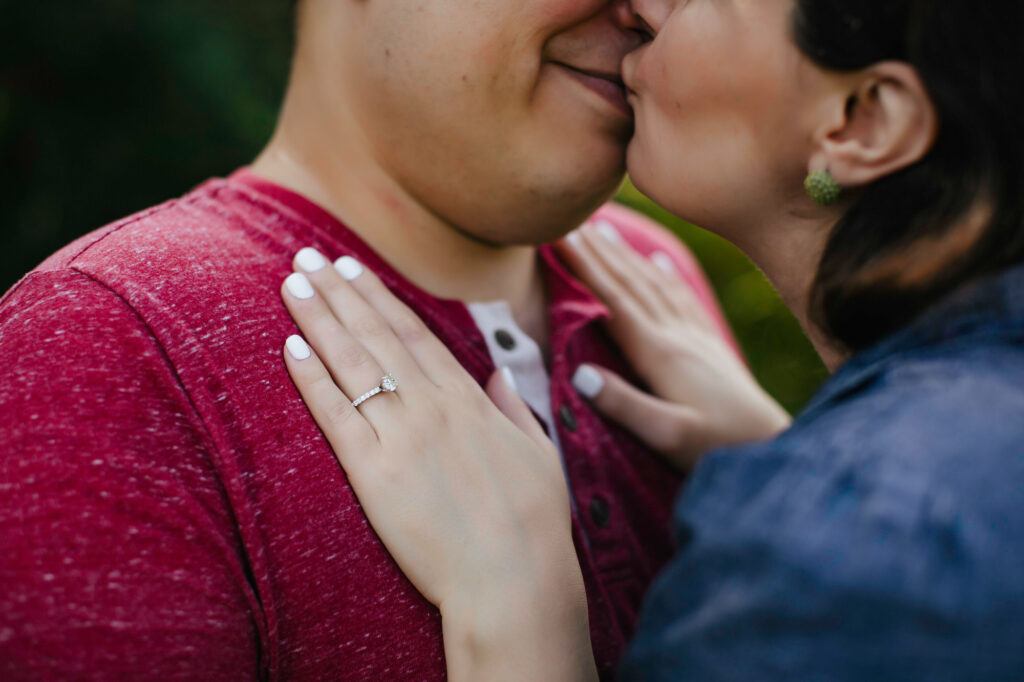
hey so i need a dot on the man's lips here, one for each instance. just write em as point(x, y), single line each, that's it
point(608, 85)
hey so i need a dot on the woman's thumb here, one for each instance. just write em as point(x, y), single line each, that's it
point(666, 427)
point(502, 391)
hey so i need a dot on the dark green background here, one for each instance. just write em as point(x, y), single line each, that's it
point(109, 106)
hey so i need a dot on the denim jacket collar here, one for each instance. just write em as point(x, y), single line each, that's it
point(991, 306)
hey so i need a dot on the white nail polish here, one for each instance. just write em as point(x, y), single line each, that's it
point(298, 348)
point(664, 263)
point(510, 379)
point(588, 382)
point(299, 286)
point(608, 231)
point(574, 239)
point(348, 267)
point(310, 260)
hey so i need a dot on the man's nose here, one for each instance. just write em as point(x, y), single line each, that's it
point(623, 14)
point(628, 23)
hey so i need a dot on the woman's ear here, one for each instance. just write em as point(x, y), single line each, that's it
point(886, 122)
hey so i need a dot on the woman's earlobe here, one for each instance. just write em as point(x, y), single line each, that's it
point(823, 188)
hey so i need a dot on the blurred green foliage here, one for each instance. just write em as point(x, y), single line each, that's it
point(109, 106)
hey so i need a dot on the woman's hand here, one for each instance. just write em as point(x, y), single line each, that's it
point(704, 395)
point(471, 503)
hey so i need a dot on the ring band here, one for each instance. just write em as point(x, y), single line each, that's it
point(388, 384)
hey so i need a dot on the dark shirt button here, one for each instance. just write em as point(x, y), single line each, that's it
point(599, 511)
point(505, 339)
point(567, 417)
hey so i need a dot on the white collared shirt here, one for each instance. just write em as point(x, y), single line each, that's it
point(511, 347)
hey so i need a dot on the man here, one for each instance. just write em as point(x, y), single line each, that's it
point(169, 509)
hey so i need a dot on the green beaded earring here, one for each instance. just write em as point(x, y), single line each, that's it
point(822, 187)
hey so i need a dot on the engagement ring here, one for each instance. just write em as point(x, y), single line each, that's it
point(388, 384)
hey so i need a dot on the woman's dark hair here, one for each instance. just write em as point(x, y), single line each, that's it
point(916, 235)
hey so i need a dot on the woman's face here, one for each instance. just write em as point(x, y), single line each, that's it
point(720, 111)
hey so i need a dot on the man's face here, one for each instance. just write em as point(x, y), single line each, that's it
point(505, 117)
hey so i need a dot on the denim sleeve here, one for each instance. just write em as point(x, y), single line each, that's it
point(780, 577)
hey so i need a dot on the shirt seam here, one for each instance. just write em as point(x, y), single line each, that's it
point(207, 434)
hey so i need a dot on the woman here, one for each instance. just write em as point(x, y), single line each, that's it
point(867, 156)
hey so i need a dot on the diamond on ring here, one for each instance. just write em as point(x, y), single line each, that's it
point(388, 384)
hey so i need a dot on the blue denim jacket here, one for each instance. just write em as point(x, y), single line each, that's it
point(880, 538)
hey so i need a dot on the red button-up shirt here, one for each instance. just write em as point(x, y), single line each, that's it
point(168, 508)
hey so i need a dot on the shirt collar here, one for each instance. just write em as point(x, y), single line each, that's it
point(990, 305)
point(572, 305)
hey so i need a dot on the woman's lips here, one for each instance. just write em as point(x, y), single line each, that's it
point(629, 73)
point(607, 86)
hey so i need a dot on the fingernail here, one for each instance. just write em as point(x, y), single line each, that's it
point(608, 231)
point(310, 260)
point(574, 239)
point(587, 381)
point(510, 379)
point(299, 286)
point(348, 267)
point(664, 262)
point(297, 347)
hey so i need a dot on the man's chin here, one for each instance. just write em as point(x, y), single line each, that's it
point(541, 226)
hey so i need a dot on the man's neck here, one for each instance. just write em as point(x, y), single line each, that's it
point(334, 171)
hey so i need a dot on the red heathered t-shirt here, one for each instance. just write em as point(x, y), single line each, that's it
point(168, 508)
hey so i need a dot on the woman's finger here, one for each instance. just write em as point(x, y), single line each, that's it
point(677, 291)
point(627, 268)
point(668, 428)
point(433, 357)
point(502, 392)
point(354, 369)
point(627, 313)
point(360, 319)
point(663, 277)
point(348, 432)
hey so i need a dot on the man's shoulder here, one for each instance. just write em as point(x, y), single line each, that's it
point(67, 256)
point(213, 221)
point(218, 244)
point(206, 266)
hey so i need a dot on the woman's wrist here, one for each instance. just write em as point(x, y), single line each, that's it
point(773, 418)
point(763, 420)
point(534, 628)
